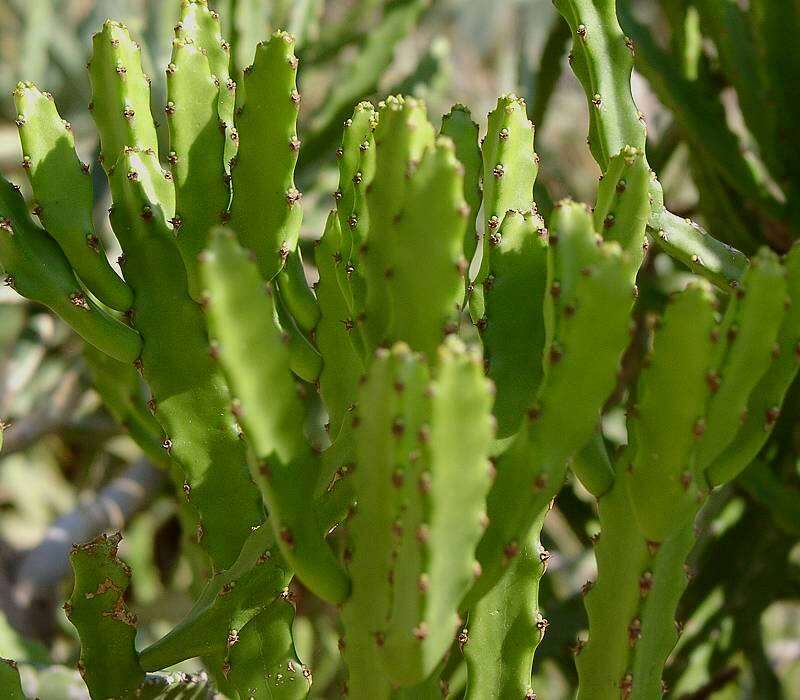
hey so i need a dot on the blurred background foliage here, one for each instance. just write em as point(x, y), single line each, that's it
point(66, 471)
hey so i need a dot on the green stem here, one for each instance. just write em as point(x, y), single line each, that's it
point(632, 605)
point(506, 626)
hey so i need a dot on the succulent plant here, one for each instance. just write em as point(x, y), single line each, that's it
point(419, 514)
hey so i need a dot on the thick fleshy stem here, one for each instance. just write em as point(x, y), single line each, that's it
point(457, 124)
point(510, 167)
point(505, 627)
point(421, 483)
point(62, 189)
point(512, 328)
point(402, 136)
point(227, 603)
point(766, 399)
point(106, 626)
point(120, 96)
point(442, 515)
point(189, 396)
point(336, 330)
point(36, 267)
point(631, 606)
point(200, 25)
point(427, 291)
point(340, 290)
point(266, 404)
point(662, 479)
point(202, 192)
point(588, 299)
point(602, 59)
point(266, 212)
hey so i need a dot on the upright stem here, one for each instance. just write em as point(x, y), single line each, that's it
point(631, 607)
point(506, 626)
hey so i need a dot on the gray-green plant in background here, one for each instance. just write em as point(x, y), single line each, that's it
point(419, 514)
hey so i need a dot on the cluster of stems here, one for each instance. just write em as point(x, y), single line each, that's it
point(419, 512)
